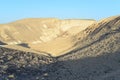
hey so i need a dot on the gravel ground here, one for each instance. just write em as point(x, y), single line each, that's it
point(19, 65)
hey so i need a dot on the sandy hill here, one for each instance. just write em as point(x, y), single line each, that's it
point(37, 30)
point(43, 34)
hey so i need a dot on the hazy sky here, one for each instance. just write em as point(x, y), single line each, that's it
point(11, 10)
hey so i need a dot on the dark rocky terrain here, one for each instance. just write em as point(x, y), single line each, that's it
point(19, 65)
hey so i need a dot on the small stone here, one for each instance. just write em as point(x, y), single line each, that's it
point(46, 74)
point(23, 66)
point(11, 76)
point(43, 78)
point(1, 61)
point(10, 57)
point(37, 78)
point(5, 66)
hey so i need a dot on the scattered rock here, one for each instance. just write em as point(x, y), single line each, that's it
point(11, 76)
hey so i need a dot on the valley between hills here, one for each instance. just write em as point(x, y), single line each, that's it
point(54, 49)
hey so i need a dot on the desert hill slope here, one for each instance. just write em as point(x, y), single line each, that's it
point(43, 34)
point(37, 30)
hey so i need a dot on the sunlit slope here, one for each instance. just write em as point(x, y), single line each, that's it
point(65, 41)
point(29, 30)
point(55, 47)
point(49, 35)
point(38, 30)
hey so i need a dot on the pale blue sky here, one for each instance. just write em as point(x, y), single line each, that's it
point(11, 10)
